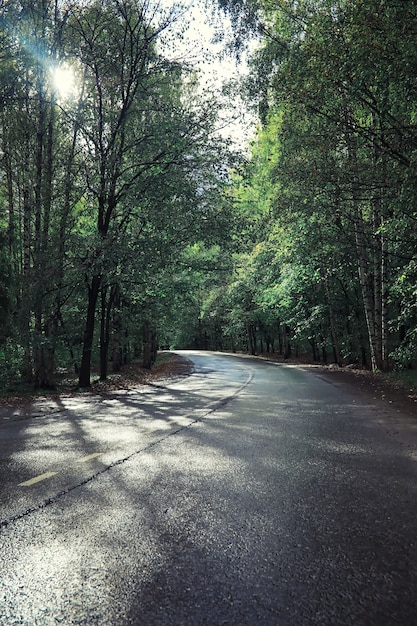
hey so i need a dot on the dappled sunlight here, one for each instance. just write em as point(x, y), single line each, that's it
point(78, 437)
point(185, 528)
point(253, 488)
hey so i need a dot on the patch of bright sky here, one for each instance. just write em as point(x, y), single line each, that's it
point(198, 47)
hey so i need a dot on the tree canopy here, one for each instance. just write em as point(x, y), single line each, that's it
point(128, 223)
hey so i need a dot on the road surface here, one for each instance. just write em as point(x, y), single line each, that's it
point(248, 493)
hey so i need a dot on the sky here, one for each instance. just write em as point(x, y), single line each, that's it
point(198, 47)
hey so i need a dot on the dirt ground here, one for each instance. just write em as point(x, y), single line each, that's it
point(168, 366)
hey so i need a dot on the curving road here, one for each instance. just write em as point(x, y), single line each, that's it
point(248, 493)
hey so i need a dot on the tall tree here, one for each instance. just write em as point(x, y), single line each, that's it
point(340, 73)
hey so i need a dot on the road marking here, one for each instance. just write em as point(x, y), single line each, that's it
point(37, 479)
point(89, 457)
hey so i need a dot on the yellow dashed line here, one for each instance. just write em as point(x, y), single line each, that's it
point(89, 457)
point(37, 479)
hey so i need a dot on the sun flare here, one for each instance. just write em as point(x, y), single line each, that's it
point(64, 81)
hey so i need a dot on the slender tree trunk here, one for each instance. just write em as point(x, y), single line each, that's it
point(324, 351)
point(147, 345)
point(9, 298)
point(63, 226)
point(85, 367)
point(26, 295)
point(106, 314)
point(381, 256)
point(384, 304)
point(45, 331)
point(154, 345)
point(117, 333)
point(361, 248)
point(366, 290)
point(251, 330)
point(314, 349)
point(39, 277)
point(49, 333)
point(11, 227)
point(280, 338)
point(104, 335)
point(286, 344)
point(332, 319)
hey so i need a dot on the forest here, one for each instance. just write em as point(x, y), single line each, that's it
point(129, 223)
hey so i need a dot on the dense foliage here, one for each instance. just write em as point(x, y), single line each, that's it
point(121, 228)
point(327, 200)
point(103, 183)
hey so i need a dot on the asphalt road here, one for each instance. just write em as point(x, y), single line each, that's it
point(248, 493)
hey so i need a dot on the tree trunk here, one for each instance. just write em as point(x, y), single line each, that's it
point(104, 335)
point(380, 254)
point(106, 311)
point(39, 258)
point(25, 309)
point(366, 289)
point(314, 349)
point(63, 229)
point(280, 338)
point(251, 330)
point(154, 346)
point(286, 344)
point(361, 250)
point(384, 305)
point(85, 367)
point(45, 269)
point(117, 334)
point(147, 345)
point(332, 319)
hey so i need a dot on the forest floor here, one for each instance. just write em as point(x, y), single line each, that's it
point(378, 388)
point(167, 366)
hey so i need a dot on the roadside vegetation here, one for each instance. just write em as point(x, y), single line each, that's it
point(128, 224)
